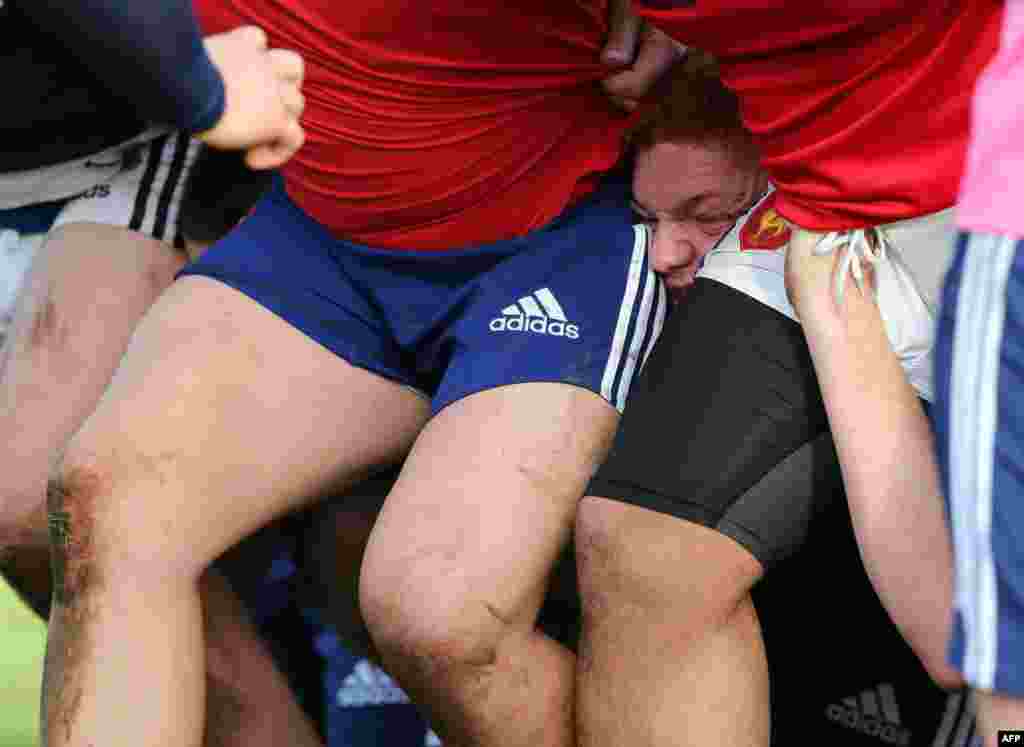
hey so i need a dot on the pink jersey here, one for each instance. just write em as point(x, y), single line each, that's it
point(993, 183)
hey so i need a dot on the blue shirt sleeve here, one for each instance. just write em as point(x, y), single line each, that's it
point(149, 51)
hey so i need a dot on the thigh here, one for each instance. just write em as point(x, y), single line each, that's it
point(108, 256)
point(222, 416)
point(87, 288)
point(487, 498)
point(727, 399)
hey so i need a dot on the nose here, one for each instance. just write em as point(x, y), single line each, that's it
point(674, 247)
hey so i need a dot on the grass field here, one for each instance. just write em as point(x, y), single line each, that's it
point(21, 664)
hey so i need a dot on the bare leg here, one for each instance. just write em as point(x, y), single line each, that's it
point(88, 286)
point(87, 290)
point(458, 563)
point(671, 652)
point(248, 700)
point(212, 453)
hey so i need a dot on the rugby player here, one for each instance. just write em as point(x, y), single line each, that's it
point(689, 147)
point(676, 531)
point(978, 372)
point(73, 144)
point(114, 246)
point(531, 135)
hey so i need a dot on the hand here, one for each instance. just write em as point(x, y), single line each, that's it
point(643, 53)
point(811, 279)
point(808, 277)
point(263, 98)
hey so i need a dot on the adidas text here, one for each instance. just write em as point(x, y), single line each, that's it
point(99, 191)
point(368, 685)
point(538, 325)
point(873, 727)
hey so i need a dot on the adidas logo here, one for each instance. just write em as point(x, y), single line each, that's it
point(539, 313)
point(874, 712)
point(368, 685)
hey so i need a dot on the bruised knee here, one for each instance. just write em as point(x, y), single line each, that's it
point(71, 499)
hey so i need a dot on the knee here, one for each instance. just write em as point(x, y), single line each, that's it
point(104, 518)
point(424, 629)
point(637, 567)
point(72, 494)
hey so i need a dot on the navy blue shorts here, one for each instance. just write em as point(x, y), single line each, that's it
point(980, 428)
point(575, 302)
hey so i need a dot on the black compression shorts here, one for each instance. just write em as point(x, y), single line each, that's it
point(726, 427)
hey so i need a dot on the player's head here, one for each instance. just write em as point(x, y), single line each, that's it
point(697, 169)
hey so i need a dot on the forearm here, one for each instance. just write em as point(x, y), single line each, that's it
point(152, 50)
point(886, 452)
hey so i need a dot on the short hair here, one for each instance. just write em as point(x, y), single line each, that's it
point(692, 105)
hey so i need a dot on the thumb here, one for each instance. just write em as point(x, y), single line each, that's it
point(623, 34)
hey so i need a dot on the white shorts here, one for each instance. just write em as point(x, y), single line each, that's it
point(144, 194)
point(752, 259)
point(61, 181)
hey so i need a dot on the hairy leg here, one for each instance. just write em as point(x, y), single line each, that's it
point(458, 562)
point(88, 287)
point(671, 651)
point(220, 417)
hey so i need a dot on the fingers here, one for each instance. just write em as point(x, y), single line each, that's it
point(289, 69)
point(263, 97)
point(293, 100)
point(623, 34)
point(657, 53)
point(288, 65)
point(277, 152)
point(252, 35)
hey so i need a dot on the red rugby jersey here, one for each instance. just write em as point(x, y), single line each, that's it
point(860, 108)
point(442, 124)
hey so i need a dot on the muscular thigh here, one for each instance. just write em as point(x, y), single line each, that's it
point(222, 416)
point(88, 285)
point(722, 429)
point(487, 498)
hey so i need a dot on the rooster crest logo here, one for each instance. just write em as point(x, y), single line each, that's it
point(765, 229)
